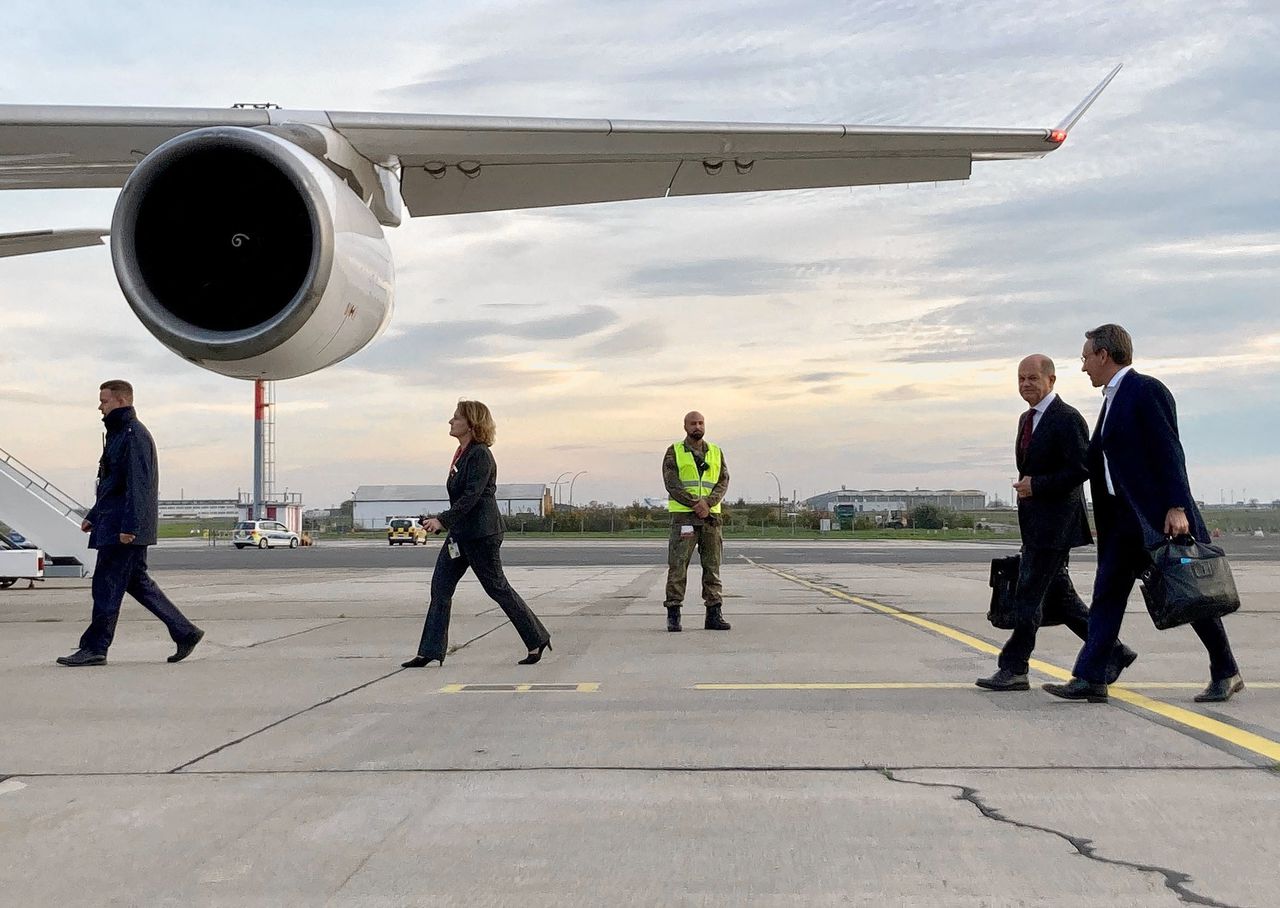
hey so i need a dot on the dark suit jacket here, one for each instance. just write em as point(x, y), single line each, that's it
point(1148, 466)
point(473, 507)
point(127, 498)
point(1054, 516)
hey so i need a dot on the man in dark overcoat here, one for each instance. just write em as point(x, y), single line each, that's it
point(1141, 495)
point(121, 525)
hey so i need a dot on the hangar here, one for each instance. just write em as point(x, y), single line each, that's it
point(375, 505)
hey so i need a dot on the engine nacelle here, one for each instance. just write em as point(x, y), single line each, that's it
point(247, 256)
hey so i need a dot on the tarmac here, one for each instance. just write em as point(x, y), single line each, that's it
point(830, 750)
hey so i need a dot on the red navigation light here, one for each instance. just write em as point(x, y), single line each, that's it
point(1057, 136)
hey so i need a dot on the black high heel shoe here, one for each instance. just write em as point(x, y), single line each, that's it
point(419, 661)
point(533, 658)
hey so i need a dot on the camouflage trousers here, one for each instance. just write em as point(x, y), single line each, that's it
point(710, 544)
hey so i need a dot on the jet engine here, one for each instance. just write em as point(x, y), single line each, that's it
point(248, 256)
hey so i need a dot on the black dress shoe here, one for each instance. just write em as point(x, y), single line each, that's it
point(1222, 690)
point(1078, 689)
point(187, 645)
point(83, 657)
point(1004, 680)
point(1121, 658)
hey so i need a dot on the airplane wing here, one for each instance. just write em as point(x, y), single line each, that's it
point(48, 240)
point(455, 164)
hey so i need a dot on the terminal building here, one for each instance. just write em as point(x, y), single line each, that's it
point(891, 501)
point(375, 505)
point(199, 508)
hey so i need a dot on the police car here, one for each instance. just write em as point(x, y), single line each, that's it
point(263, 534)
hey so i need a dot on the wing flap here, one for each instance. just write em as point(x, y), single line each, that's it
point(698, 178)
point(495, 187)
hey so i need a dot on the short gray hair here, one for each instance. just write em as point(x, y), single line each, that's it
point(1115, 340)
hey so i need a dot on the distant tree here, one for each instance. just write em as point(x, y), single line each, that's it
point(926, 517)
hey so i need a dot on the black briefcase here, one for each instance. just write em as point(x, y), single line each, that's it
point(1004, 589)
point(1188, 580)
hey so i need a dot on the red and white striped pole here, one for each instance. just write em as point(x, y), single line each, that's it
point(259, 452)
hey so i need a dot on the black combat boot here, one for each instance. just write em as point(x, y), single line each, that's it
point(715, 621)
point(673, 618)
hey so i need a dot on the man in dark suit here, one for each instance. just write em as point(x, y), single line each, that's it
point(1138, 479)
point(1050, 453)
point(121, 524)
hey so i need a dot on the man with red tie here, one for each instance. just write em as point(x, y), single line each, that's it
point(1050, 452)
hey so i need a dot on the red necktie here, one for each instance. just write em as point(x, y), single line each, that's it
point(1024, 440)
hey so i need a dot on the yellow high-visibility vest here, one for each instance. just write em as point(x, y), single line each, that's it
point(695, 485)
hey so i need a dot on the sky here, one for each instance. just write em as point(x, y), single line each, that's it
point(864, 337)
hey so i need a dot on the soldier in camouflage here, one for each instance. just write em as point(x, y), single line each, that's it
point(696, 477)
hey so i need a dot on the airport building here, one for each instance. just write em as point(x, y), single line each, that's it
point(375, 505)
point(199, 508)
point(881, 501)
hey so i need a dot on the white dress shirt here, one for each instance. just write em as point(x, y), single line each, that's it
point(1109, 392)
point(1040, 408)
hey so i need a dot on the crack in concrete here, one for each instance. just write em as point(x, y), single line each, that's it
point(1174, 880)
point(297, 633)
point(616, 768)
point(308, 709)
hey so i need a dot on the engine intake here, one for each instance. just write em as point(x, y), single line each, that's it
point(244, 254)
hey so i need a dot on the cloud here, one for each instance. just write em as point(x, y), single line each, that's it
point(777, 312)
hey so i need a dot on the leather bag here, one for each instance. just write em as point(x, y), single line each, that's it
point(1004, 589)
point(1188, 581)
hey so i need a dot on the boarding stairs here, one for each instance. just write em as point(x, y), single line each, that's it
point(47, 516)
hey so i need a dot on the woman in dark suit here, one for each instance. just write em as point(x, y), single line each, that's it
point(475, 537)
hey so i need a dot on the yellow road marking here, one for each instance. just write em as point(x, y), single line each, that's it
point(1245, 740)
point(947, 685)
point(568, 687)
point(841, 685)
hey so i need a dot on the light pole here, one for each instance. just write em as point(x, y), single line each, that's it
point(779, 482)
point(571, 482)
point(555, 488)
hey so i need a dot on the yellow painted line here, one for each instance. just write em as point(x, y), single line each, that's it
point(841, 685)
point(948, 685)
point(1191, 685)
point(1245, 740)
point(1237, 736)
point(568, 687)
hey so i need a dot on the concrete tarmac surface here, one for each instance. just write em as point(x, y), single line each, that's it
point(830, 750)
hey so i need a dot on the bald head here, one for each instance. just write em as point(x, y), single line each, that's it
point(694, 425)
point(1036, 376)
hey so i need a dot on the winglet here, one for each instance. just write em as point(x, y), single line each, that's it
point(1059, 133)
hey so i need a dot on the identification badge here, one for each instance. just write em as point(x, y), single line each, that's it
point(686, 531)
point(454, 551)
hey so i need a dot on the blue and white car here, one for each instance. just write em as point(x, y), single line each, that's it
point(263, 534)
